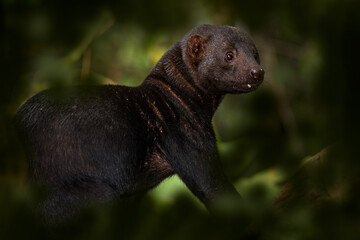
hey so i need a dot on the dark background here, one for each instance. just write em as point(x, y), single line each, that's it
point(308, 102)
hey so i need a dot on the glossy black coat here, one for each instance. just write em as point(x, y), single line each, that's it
point(89, 143)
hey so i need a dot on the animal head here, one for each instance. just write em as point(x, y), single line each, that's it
point(224, 59)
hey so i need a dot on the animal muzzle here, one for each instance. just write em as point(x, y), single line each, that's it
point(257, 74)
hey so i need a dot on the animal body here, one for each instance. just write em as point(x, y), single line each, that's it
point(88, 143)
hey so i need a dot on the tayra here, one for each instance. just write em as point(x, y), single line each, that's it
point(94, 143)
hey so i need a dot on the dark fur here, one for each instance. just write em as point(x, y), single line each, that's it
point(99, 142)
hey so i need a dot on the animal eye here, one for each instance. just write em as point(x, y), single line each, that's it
point(229, 56)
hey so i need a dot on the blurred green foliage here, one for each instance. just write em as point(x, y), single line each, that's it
point(309, 100)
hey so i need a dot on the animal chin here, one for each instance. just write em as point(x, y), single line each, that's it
point(252, 84)
point(248, 87)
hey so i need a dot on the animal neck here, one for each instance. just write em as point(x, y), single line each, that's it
point(174, 78)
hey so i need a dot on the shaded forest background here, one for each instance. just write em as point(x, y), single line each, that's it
point(307, 103)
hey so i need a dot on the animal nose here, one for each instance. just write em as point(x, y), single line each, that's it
point(257, 73)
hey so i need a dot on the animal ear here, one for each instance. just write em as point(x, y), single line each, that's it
point(196, 47)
